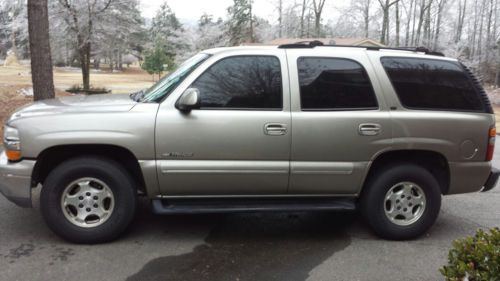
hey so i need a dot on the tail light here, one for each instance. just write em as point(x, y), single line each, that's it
point(491, 144)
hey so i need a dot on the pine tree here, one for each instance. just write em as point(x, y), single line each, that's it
point(241, 23)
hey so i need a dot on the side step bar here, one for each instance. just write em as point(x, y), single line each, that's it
point(195, 206)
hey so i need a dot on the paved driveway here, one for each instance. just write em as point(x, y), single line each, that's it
point(280, 246)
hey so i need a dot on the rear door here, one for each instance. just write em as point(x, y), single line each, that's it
point(238, 143)
point(340, 120)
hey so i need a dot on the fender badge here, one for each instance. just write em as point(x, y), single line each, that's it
point(179, 154)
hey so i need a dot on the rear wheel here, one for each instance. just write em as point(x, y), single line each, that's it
point(88, 200)
point(401, 202)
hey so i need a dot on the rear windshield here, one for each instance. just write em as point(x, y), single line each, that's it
point(432, 84)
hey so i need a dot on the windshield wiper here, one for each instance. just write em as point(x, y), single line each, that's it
point(137, 96)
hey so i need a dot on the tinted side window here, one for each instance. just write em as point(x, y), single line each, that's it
point(333, 84)
point(246, 82)
point(431, 84)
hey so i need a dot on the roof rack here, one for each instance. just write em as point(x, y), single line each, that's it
point(316, 43)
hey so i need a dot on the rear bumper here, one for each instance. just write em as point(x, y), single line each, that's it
point(15, 180)
point(492, 180)
point(468, 176)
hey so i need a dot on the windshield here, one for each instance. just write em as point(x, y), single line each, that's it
point(168, 83)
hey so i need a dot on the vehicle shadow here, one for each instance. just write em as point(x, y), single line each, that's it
point(249, 246)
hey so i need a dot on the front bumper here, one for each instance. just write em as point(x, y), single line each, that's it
point(492, 180)
point(15, 180)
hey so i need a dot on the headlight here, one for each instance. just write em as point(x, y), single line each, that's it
point(12, 143)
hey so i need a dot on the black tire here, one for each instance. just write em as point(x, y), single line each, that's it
point(373, 204)
point(105, 170)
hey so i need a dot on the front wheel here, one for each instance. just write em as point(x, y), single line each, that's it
point(88, 200)
point(401, 202)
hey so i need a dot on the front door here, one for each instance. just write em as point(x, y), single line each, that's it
point(238, 142)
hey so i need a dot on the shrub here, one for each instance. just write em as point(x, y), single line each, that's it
point(474, 258)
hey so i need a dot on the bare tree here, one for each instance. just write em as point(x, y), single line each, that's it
point(424, 6)
point(305, 4)
point(280, 18)
point(41, 61)
point(480, 37)
point(385, 5)
point(408, 20)
point(414, 22)
point(489, 35)
point(84, 29)
point(427, 24)
point(462, 5)
point(441, 4)
point(318, 9)
point(397, 24)
point(251, 31)
point(497, 74)
point(366, 17)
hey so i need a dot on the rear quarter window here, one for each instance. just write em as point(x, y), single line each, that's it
point(432, 84)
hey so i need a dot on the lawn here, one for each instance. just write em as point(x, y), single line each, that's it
point(16, 79)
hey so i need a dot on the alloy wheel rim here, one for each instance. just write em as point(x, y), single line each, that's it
point(404, 203)
point(87, 202)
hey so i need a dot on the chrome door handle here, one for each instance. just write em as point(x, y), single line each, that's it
point(369, 129)
point(275, 129)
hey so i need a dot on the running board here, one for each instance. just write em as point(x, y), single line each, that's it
point(233, 205)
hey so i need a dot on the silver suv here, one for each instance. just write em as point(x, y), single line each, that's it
point(297, 127)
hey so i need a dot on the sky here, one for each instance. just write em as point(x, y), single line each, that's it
point(191, 10)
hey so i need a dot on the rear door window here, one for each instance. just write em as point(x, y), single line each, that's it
point(432, 84)
point(334, 84)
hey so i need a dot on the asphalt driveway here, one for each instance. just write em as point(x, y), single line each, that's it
point(266, 246)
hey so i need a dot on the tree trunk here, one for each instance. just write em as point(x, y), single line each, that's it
point(385, 20)
point(488, 27)
point(85, 65)
point(317, 19)
point(111, 61)
point(302, 15)
point(252, 39)
point(366, 15)
point(318, 10)
point(120, 56)
point(474, 33)
point(13, 42)
point(480, 39)
point(497, 76)
point(420, 22)
point(41, 61)
point(397, 24)
point(280, 18)
point(438, 23)
point(495, 21)
point(461, 18)
point(408, 21)
point(388, 26)
point(427, 25)
point(413, 24)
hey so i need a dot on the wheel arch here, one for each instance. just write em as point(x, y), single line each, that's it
point(435, 162)
point(49, 158)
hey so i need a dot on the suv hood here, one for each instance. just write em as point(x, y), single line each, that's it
point(77, 104)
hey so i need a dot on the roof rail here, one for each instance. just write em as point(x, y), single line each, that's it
point(316, 43)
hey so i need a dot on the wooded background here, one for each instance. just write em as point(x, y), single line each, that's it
point(87, 33)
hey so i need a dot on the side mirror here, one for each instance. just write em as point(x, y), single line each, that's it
point(189, 100)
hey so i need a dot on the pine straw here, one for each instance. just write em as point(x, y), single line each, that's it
point(11, 99)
